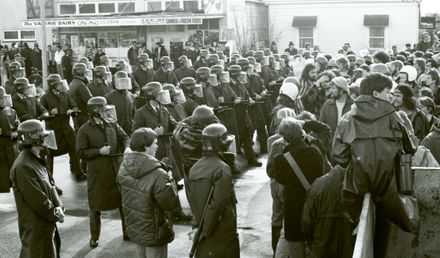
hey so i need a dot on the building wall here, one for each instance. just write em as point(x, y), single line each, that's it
point(342, 21)
point(257, 16)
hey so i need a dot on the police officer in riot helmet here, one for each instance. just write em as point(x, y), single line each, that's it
point(80, 92)
point(101, 142)
point(219, 236)
point(123, 66)
point(8, 135)
point(219, 92)
point(243, 118)
point(39, 207)
point(101, 83)
point(202, 59)
point(15, 71)
point(184, 69)
point(61, 106)
point(193, 94)
point(25, 101)
point(123, 100)
point(165, 73)
point(177, 99)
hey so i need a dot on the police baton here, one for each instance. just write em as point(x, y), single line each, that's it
point(200, 227)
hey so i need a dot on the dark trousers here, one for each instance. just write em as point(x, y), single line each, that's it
point(262, 138)
point(73, 160)
point(95, 223)
point(247, 146)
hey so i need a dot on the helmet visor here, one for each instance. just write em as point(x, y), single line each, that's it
point(212, 80)
point(108, 77)
point(180, 97)
point(123, 83)
point(30, 91)
point(163, 97)
point(230, 140)
point(225, 77)
point(63, 86)
point(6, 101)
point(108, 114)
point(49, 140)
point(243, 77)
point(198, 90)
point(89, 75)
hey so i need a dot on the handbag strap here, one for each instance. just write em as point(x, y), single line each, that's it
point(298, 172)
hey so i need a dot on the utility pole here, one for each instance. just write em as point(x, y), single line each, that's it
point(43, 42)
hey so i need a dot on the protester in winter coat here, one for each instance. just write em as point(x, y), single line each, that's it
point(148, 196)
point(432, 141)
point(404, 101)
point(340, 103)
point(327, 232)
point(36, 58)
point(310, 162)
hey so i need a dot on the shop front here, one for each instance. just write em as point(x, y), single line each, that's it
point(115, 35)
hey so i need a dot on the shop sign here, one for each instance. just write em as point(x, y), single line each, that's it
point(117, 22)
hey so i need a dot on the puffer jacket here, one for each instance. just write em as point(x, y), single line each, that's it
point(148, 199)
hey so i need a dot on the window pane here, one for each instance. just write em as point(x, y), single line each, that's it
point(204, 25)
point(108, 39)
point(126, 37)
point(305, 32)
point(174, 5)
point(106, 8)
point(27, 34)
point(190, 5)
point(304, 41)
point(154, 6)
point(176, 28)
point(157, 28)
point(377, 43)
point(377, 32)
point(213, 24)
point(87, 8)
point(67, 9)
point(11, 34)
point(126, 7)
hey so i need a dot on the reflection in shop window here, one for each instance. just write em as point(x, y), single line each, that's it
point(10, 35)
point(66, 9)
point(27, 35)
point(126, 7)
point(154, 6)
point(108, 39)
point(106, 8)
point(86, 8)
point(191, 6)
point(172, 5)
point(126, 37)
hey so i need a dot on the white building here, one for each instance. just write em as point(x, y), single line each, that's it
point(114, 24)
point(365, 24)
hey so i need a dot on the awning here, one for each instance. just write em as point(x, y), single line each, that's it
point(376, 20)
point(304, 21)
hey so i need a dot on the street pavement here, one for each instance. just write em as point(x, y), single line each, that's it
point(253, 207)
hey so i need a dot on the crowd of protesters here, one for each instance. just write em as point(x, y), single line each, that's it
point(324, 120)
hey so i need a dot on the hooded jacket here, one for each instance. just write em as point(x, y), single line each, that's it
point(148, 199)
point(370, 136)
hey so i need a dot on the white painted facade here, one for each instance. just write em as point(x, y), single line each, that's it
point(341, 21)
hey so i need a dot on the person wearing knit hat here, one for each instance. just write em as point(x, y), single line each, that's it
point(340, 103)
point(380, 68)
point(404, 100)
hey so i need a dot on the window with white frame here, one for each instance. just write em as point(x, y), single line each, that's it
point(16, 35)
point(96, 8)
point(377, 37)
point(191, 5)
point(106, 8)
point(154, 6)
point(305, 36)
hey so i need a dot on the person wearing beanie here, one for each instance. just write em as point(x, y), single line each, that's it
point(380, 68)
point(404, 100)
point(340, 103)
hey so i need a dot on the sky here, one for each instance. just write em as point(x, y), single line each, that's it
point(430, 6)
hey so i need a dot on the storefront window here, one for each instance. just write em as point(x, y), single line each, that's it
point(15, 35)
point(126, 7)
point(191, 6)
point(126, 37)
point(66, 9)
point(108, 39)
point(27, 35)
point(106, 8)
point(154, 6)
point(86, 8)
point(172, 5)
point(11, 35)
point(33, 8)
